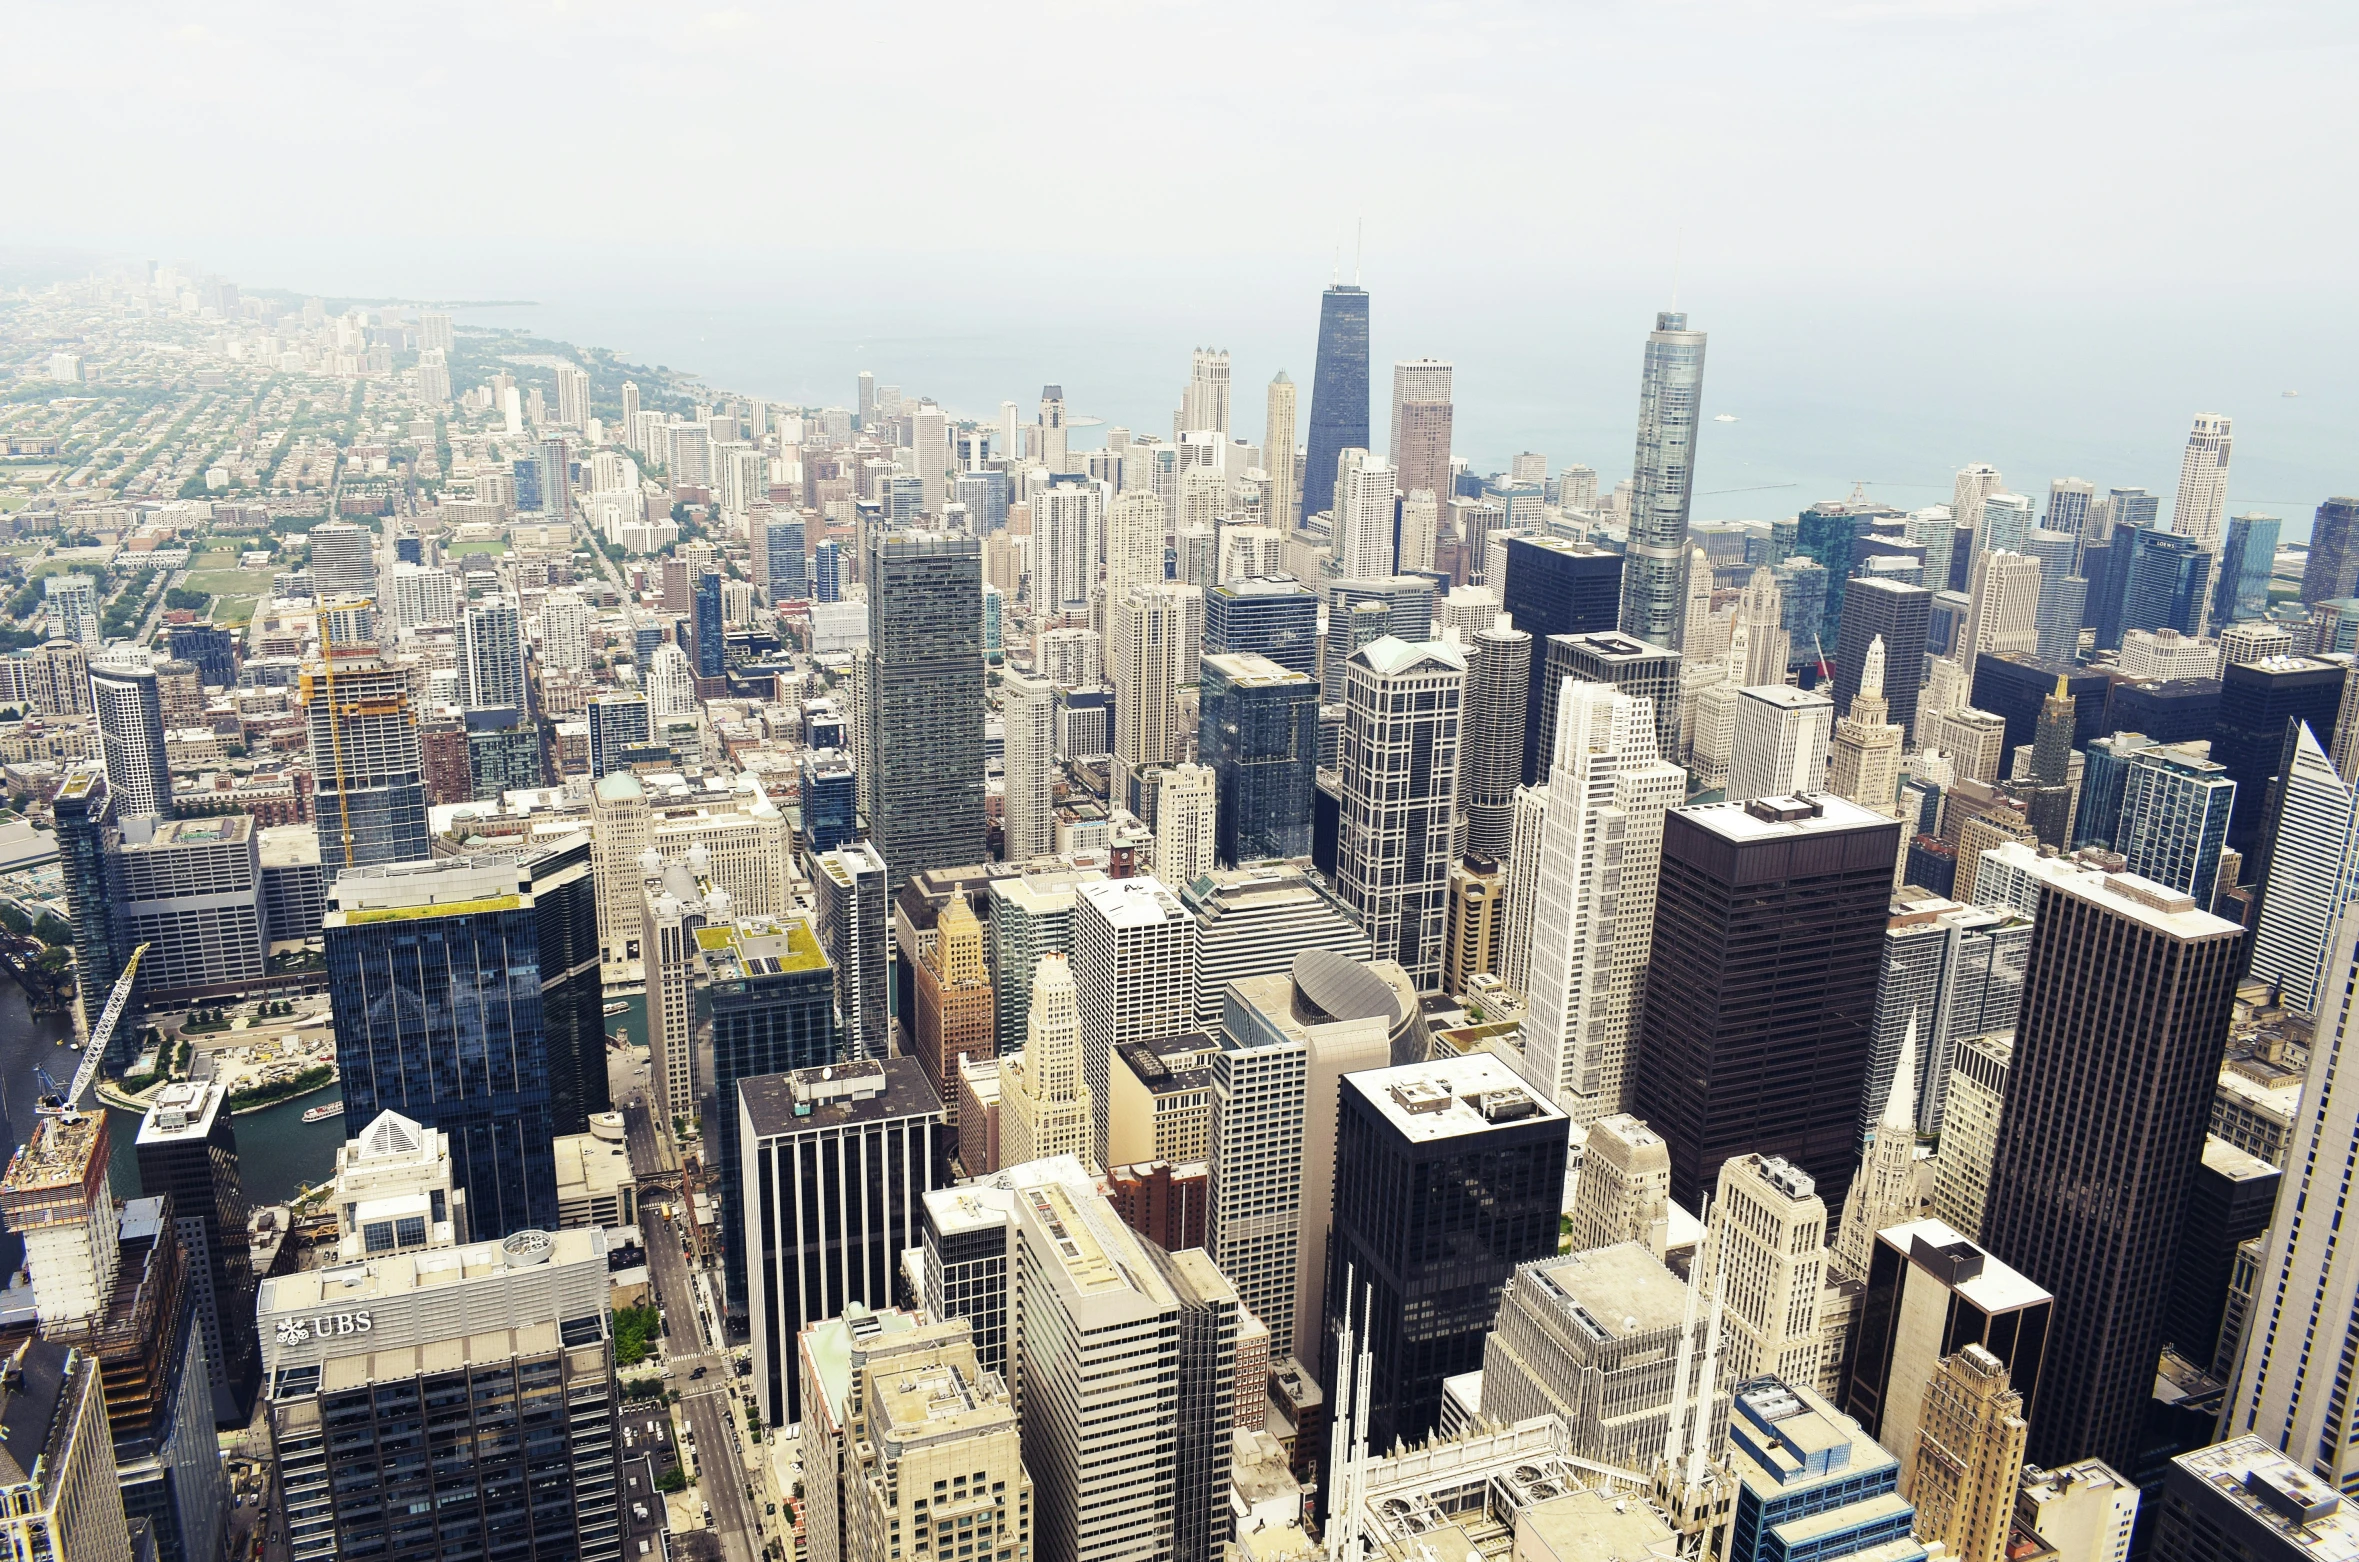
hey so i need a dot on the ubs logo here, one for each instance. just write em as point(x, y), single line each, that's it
point(323, 1326)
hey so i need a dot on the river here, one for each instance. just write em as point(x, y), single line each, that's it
point(277, 1150)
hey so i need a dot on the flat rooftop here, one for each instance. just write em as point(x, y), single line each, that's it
point(1131, 903)
point(1996, 1289)
point(1448, 1097)
point(406, 1274)
point(878, 1090)
point(1620, 1290)
point(1782, 818)
point(2279, 1495)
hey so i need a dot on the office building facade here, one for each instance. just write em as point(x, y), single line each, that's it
point(922, 761)
point(1732, 1061)
point(1670, 396)
point(1400, 786)
point(1259, 732)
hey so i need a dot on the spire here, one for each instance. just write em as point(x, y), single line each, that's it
point(1900, 1107)
point(2062, 683)
point(1871, 674)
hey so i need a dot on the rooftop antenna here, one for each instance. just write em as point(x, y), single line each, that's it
point(1337, 279)
point(1678, 256)
point(1359, 245)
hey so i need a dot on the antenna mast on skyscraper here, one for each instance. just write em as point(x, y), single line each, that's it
point(1359, 245)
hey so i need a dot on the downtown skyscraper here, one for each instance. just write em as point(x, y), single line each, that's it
point(1339, 393)
point(1609, 788)
point(1670, 395)
point(1421, 419)
point(2126, 1000)
point(1399, 754)
point(923, 740)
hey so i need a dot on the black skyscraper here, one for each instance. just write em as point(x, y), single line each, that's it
point(2257, 700)
point(1447, 1175)
point(2126, 999)
point(1339, 393)
point(1898, 613)
point(2333, 570)
point(1555, 586)
point(188, 1150)
point(1761, 994)
point(2017, 688)
point(923, 760)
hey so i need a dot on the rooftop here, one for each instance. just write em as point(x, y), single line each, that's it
point(734, 951)
point(32, 1389)
point(1610, 1292)
point(2278, 1495)
point(1975, 1275)
point(878, 1090)
point(1392, 656)
point(181, 1112)
point(1448, 1097)
point(427, 1269)
point(933, 1392)
point(827, 1346)
point(1782, 818)
point(1134, 902)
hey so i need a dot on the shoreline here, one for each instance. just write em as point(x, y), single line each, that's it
point(107, 1091)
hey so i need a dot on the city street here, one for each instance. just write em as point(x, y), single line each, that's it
point(706, 1402)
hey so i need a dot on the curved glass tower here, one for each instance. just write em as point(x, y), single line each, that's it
point(1654, 579)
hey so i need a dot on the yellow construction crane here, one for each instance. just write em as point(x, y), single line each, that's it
point(327, 663)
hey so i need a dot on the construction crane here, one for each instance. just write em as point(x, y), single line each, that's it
point(60, 1103)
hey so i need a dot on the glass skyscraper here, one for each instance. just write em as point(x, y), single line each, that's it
point(2154, 579)
point(1339, 393)
point(370, 805)
point(924, 756)
point(712, 643)
point(827, 572)
point(830, 801)
point(1259, 732)
point(465, 996)
point(2245, 561)
point(1654, 582)
point(1276, 616)
point(782, 537)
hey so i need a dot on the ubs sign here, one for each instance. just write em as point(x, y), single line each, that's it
point(322, 1326)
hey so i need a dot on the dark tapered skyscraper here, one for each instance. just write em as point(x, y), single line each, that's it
point(1759, 1019)
point(2126, 1000)
point(922, 771)
point(1899, 613)
point(2333, 570)
point(188, 1149)
point(1259, 731)
point(712, 642)
point(449, 1010)
point(1630, 665)
point(1339, 393)
point(1654, 581)
point(2258, 700)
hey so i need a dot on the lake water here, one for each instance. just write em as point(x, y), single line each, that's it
point(1827, 389)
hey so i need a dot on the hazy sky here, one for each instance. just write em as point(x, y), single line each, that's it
point(475, 147)
point(1921, 232)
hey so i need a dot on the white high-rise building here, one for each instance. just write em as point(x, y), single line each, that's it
point(1766, 1240)
point(1205, 402)
point(1066, 517)
point(565, 631)
point(1185, 806)
point(2007, 523)
point(1364, 518)
point(2310, 877)
point(1045, 1105)
point(1069, 658)
point(573, 397)
point(1529, 832)
point(1130, 966)
point(1277, 455)
point(2004, 615)
point(1780, 745)
point(930, 443)
point(491, 656)
point(1421, 519)
point(2293, 1387)
point(1973, 484)
point(343, 559)
point(671, 682)
point(1276, 1081)
point(1865, 766)
point(1147, 632)
point(2201, 506)
point(421, 596)
point(1135, 523)
point(1028, 712)
point(130, 709)
point(1098, 1342)
point(1400, 797)
point(1608, 790)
